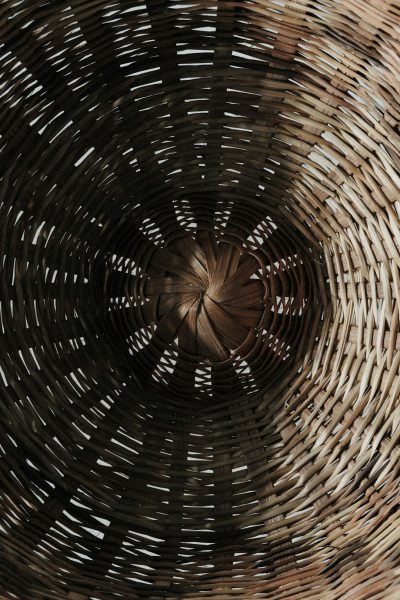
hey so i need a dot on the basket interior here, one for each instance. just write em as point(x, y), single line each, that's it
point(199, 313)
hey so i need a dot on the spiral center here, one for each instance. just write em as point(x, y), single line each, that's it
point(211, 313)
point(218, 304)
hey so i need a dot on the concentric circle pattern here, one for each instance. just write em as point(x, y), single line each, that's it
point(199, 300)
point(210, 313)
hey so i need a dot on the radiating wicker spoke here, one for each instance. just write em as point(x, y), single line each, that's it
point(199, 289)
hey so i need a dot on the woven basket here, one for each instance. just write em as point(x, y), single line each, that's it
point(200, 345)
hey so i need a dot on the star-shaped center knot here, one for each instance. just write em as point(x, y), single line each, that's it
point(212, 294)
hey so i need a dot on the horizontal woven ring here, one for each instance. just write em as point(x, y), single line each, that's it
point(199, 300)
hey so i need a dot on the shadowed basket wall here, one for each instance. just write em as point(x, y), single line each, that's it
point(199, 316)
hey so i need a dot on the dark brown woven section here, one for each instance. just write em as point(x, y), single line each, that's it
point(209, 314)
point(199, 300)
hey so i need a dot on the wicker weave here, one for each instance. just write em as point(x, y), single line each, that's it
point(200, 343)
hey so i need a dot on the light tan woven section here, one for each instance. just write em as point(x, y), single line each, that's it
point(199, 300)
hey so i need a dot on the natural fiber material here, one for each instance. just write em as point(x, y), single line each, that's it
point(200, 346)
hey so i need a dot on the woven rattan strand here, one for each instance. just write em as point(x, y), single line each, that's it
point(199, 299)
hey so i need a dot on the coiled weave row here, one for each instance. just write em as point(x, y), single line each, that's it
point(199, 287)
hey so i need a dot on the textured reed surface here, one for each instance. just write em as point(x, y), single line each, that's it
point(200, 345)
